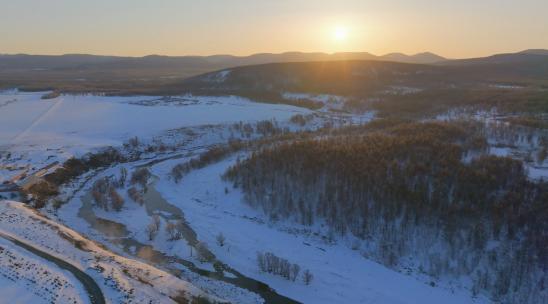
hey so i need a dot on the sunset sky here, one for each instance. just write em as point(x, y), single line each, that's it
point(465, 28)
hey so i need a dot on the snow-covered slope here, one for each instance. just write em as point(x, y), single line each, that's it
point(119, 278)
point(341, 275)
point(25, 278)
point(36, 133)
point(15, 293)
point(91, 121)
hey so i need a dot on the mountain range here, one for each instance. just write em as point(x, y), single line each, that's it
point(153, 73)
point(214, 61)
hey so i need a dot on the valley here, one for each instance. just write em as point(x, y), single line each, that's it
point(312, 191)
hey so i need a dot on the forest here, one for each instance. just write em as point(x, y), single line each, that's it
point(425, 196)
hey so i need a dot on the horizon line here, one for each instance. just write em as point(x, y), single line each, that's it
point(268, 53)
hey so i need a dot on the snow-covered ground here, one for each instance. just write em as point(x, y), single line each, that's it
point(119, 278)
point(341, 275)
point(90, 121)
point(135, 218)
point(16, 293)
point(25, 278)
point(35, 132)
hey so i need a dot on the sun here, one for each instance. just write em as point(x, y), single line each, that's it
point(340, 33)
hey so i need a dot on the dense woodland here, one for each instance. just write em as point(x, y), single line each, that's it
point(412, 196)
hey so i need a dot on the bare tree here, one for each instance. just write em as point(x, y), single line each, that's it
point(173, 230)
point(151, 231)
point(123, 177)
point(136, 195)
point(134, 142)
point(116, 199)
point(307, 277)
point(140, 176)
point(294, 272)
point(156, 220)
point(202, 252)
point(261, 261)
point(269, 262)
point(153, 227)
point(221, 239)
point(99, 190)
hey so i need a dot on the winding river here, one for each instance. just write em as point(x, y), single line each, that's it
point(156, 204)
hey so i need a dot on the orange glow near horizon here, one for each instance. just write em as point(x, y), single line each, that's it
point(242, 27)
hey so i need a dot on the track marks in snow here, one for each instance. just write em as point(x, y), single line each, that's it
point(38, 119)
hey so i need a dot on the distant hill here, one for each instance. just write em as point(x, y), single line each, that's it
point(80, 61)
point(525, 57)
point(340, 77)
point(365, 76)
point(519, 79)
point(535, 52)
point(156, 74)
point(304, 57)
point(521, 67)
point(80, 72)
point(425, 58)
